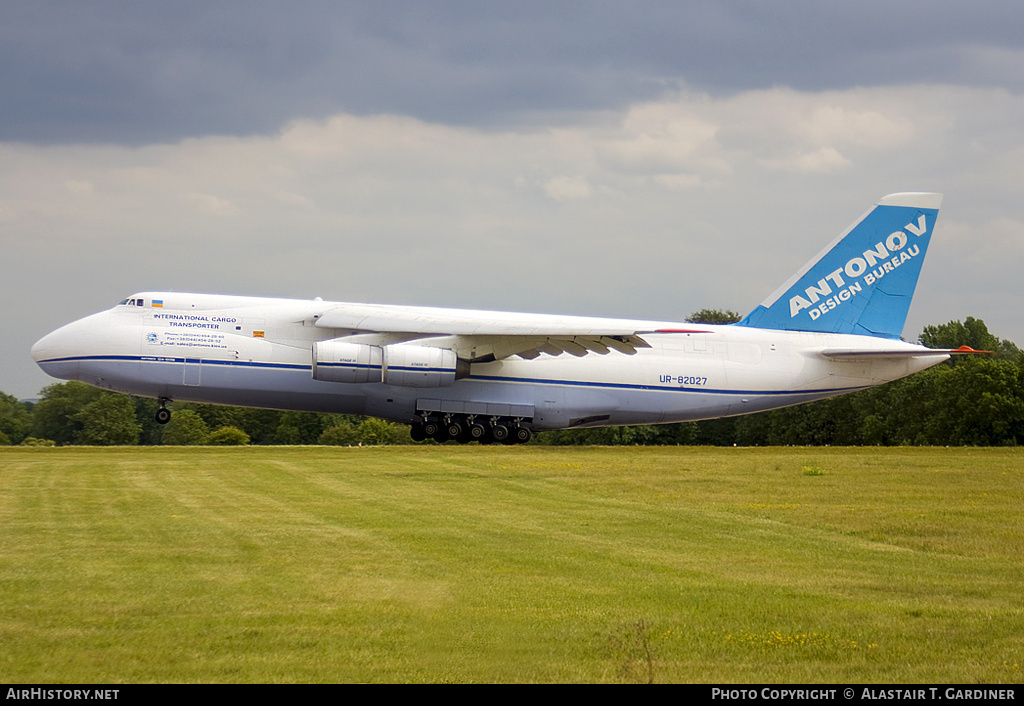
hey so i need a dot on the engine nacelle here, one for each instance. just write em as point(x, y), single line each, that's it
point(422, 366)
point(402, 364)
point(338, 361)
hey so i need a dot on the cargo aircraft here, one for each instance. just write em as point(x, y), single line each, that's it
point(832, 328)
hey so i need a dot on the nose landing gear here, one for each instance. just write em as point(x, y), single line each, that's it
point(163, 415)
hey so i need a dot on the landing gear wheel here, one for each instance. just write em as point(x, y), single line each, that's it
point(163, 415)
point(476, 432)
point(453, 430)
point(522, 435)
point(430, 429)
point(417, 433)
point(499, 432)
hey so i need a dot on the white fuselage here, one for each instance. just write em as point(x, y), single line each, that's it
point(259, 352)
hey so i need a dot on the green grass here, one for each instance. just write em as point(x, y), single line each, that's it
point(511, 564)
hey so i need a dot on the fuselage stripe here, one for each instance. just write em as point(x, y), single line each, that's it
point(480, 378)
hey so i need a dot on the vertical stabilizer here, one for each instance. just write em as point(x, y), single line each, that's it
point(862, 282)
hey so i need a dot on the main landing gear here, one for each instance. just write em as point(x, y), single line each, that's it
point(466, 428)
point(163, 415)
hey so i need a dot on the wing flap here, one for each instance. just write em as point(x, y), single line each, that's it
point(479, 348)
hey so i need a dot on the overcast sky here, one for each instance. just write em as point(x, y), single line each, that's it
point(641, 159)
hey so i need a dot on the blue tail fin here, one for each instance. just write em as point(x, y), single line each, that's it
point(863, 281)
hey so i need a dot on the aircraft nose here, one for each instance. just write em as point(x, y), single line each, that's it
point(44, 348)
point(59, 353)
point(52, 354)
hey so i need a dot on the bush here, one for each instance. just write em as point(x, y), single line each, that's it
point(33, 441)
point(341, 434)
point(186, 428)
point(227, 436)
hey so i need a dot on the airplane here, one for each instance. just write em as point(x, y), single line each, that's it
point(833, 328)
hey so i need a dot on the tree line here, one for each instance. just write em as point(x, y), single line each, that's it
point(971, 400)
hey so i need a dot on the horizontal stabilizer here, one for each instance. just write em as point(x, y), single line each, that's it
point(867, 354)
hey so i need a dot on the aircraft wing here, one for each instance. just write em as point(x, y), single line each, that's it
point(480, 336)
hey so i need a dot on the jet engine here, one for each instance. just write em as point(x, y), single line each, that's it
point(338, 361)
point(403, 364)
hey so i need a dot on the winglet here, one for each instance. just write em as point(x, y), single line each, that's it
point(864, 280)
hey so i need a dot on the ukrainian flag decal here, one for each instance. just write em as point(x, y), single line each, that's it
point(158, 303)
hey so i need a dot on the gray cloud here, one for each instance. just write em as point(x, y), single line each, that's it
point(157, 72)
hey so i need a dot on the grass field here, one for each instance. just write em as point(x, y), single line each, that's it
point(511, 564)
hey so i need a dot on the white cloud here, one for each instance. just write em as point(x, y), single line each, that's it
point(823, 160)
point(664, 138)
point(567, 188)
point(837, 124)
point(678, 181)
point(80, 187)
point(214, 205)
